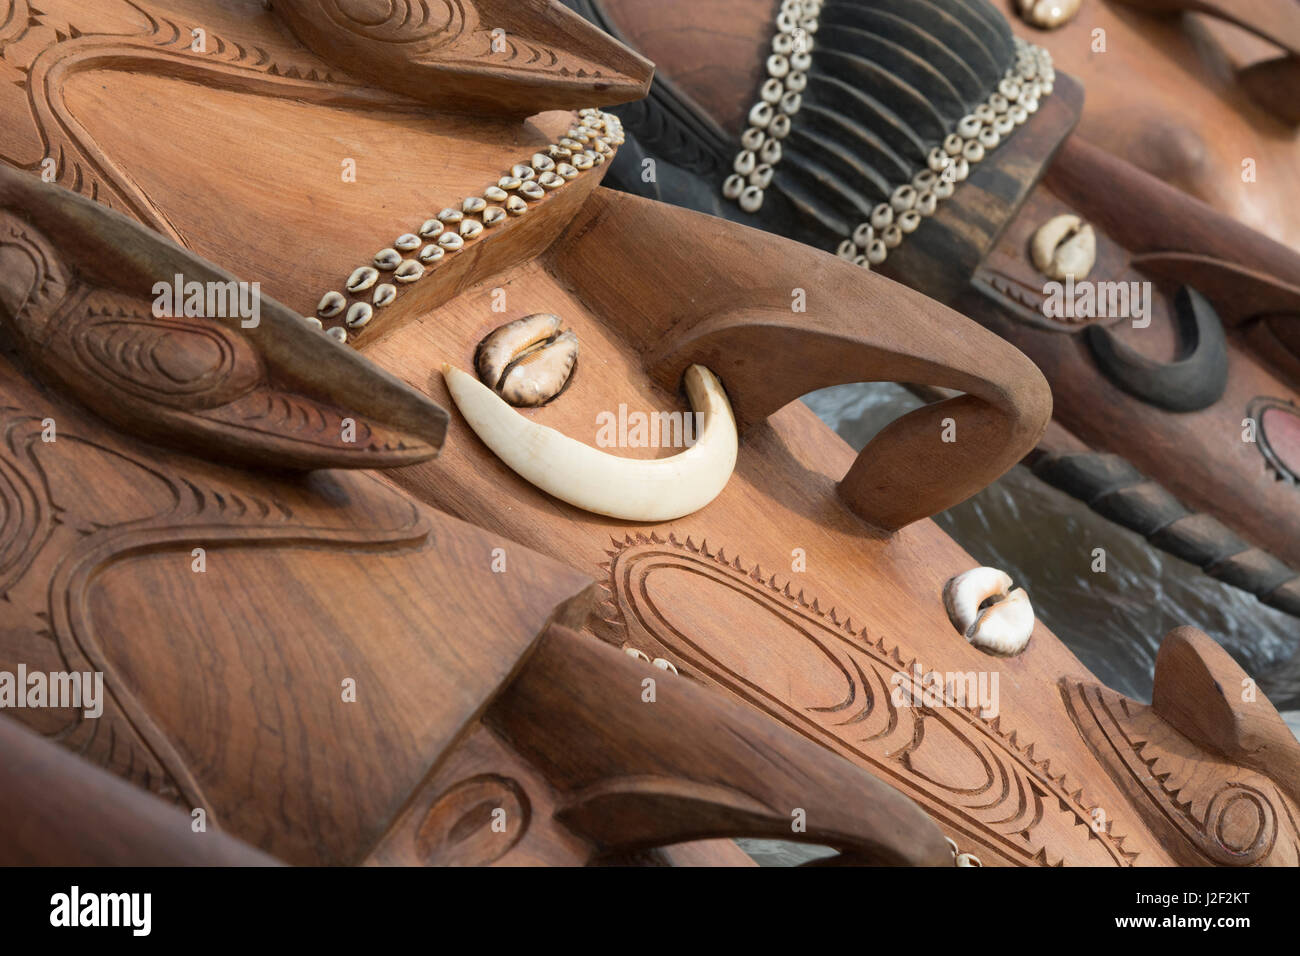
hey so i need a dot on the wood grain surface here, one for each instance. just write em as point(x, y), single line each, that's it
point(786, 597)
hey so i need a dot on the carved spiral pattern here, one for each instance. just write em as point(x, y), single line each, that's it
point(399, 21)
point(1241, 824)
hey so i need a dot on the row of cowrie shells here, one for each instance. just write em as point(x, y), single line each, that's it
point(779, 100)
point(660, 662)
point(585, 146)
point(949, 163)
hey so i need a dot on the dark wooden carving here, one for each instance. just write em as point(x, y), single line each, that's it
point(268, 394)
point(1195, 379)
point(225, 697)
point(1114, 488)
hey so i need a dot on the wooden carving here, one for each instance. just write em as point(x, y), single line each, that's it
point(1171, 60)
point(168, 574)
point(55, 807)
point(205, 383)
point(473, 688)
point(1208, 763)
point(512, 56)
point(1217, 332)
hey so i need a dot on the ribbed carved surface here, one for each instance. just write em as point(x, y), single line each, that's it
point(889, 80)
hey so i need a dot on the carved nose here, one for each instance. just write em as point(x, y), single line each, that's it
point(616, 69)
point(515, 57)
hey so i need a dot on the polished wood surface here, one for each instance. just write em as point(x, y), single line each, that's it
point(511, 57)
point(59, 810)
point(306, 725)
point(785, 597)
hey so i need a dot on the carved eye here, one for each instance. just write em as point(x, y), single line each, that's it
point(398, 21)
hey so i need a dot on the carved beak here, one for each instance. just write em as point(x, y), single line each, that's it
point(79, 289)
point(511, 57)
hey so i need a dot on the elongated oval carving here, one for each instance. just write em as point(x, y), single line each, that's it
point(474, 823)
point(826, 677)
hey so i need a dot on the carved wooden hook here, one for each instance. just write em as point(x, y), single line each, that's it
point(1194, 380)
point(738, 321)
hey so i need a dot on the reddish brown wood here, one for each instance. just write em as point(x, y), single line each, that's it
point(235, 703)
point(267, 394)
point(1274, 20)
point(59, 810)
point(1166, 96)
point(1206, 695)
point(1148, 231)
point(1207, 764)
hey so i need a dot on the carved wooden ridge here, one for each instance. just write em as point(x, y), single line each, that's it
point(1207, 810)
point(1003, 790)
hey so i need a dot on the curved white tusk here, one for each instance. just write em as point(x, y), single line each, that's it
point(630, 488)
point(1004, 627)
point(963, 595)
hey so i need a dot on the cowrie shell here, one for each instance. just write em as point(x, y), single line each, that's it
point(359, 314)
point(331, 304)
point(387, 259)
point(362, 278)
point(408, 271)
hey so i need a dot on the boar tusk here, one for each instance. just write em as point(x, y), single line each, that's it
point(633, 489)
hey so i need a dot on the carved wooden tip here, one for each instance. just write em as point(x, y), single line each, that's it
point(261, 387)
point(515, 57)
